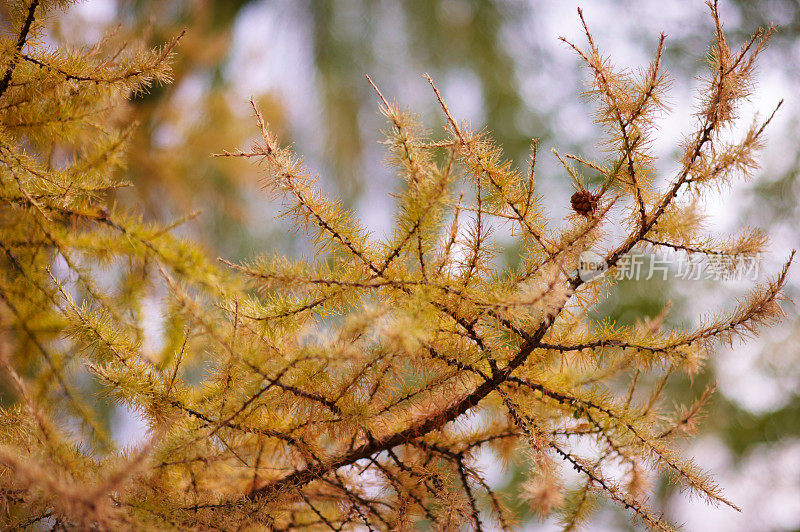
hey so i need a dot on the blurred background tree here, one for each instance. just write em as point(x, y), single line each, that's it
point(500, 65)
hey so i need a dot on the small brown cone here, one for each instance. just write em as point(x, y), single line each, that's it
point(584, 202)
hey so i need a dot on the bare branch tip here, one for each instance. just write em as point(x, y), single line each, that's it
point(377, 90)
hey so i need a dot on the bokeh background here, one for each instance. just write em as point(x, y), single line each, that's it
point(499, 64)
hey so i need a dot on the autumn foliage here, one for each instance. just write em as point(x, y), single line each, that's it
point(366, 385)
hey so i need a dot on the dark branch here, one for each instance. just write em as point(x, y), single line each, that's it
point(23, 36)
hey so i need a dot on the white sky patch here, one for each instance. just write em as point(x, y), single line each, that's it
point(128, 428)
point(765, 485)
point(488, 463)
point(88, 20)
point(272, 52)
point(463, 94)
point(98, 12)
point(152, 324)
point(743, 382)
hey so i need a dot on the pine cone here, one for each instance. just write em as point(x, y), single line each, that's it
point(584, 202)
